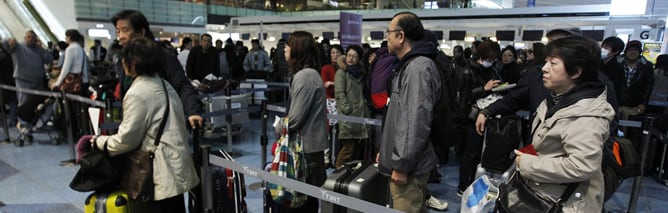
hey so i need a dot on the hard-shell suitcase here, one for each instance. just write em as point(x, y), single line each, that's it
point(357, 179)
point(112, 202)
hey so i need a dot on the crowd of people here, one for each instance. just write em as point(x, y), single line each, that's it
point(570, 82)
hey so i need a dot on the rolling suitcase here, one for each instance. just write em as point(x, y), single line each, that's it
point(229, 188)
point(111, 202)
point(357, 179)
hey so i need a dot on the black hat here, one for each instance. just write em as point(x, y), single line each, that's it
point(633, 44)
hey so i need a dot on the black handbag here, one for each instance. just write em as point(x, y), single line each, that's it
point(517, 196)
point(137, 178)
point(502, 136)
point(98, 171)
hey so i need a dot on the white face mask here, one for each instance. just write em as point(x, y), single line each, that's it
point(486, 64)
point(604, 53)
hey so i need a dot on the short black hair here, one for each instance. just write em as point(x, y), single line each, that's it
point(97, 41)
point(577, 52)
point(538, 52)
point(458, 47)
point(74, 35)
point(411, 25)
point(146, 56)
point(357, 49)
point(62, 45)
point(255, 41)
point(185, 41)
point(336, 46)
point(615, 43)
point(137, 21)
point(205, 34)
point(488, 49)
point(511, 49)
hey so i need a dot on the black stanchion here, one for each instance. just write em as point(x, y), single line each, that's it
point(3, 118)
point(195, 194)
point(68, 129)
point(205, 180)
point(646, 136)
point(263, 136)
point(228, 120)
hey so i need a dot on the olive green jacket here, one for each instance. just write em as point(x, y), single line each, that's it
point(349, 93)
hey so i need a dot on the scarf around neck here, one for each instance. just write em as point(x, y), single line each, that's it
point(581, 91)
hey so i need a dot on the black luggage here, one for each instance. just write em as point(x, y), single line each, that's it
point(357, 179)
point(229, 188)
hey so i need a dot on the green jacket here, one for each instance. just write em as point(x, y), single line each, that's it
point(350, 101)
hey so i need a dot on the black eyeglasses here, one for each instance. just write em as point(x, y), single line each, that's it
point(388, 31)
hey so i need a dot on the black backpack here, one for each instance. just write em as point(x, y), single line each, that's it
point(442, 119)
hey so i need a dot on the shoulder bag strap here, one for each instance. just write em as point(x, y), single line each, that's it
point(568, 192)
point(164, 117)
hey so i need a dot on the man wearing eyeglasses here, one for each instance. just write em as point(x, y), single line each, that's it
point(406, 154)
point(257, 63)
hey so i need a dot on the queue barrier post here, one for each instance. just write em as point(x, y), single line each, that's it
point(68, 129)
point(205, 179)
point(647, 123)
point(3, 118)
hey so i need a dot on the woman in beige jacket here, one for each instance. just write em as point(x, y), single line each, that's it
point(570, 127)
point(143, 109)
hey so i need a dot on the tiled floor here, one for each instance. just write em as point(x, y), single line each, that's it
point(31, 179)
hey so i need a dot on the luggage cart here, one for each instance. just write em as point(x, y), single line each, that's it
point(218, 124)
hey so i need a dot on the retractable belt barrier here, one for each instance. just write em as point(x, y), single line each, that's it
point(66, 103)
point(358, 120)
point(646, 126)
point(314, 191)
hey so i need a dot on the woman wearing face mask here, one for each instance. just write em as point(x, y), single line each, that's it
point(350, 101)
point(484, 78)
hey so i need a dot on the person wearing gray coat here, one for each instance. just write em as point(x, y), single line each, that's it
point(307, 115)
point(406, 153)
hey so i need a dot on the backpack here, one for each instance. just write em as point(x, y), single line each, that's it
point(380, 73)
point(442, 119)
point(623, 158)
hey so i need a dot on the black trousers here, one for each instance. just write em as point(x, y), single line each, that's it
point(470, 157)
point(316, 176)
point(174, 204)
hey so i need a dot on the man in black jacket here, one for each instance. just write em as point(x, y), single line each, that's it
point(638, 81)
point(132, 24)
point(203, 59)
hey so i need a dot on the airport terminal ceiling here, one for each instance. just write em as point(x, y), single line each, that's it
point(475, 21)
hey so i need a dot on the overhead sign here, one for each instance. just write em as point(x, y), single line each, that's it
point(350, 25)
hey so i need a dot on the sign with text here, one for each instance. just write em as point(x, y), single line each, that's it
point(350, 25)
point(651, 50)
